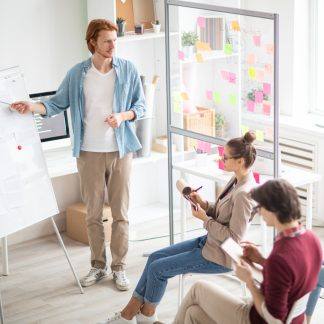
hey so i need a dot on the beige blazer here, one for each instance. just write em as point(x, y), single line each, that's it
point(228, 217)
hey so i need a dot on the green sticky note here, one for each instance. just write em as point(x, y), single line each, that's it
point(259, 135)
point(228, 49)
point(244, 129)
point(232, 99)
point(217, 97)
point(177, 106)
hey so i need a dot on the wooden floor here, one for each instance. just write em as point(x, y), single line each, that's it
point(41, 288)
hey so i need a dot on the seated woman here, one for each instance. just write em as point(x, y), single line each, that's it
point(289, 273)
point(313, 298)
point(228, 217)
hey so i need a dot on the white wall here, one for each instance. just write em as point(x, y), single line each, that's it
point(44, 37)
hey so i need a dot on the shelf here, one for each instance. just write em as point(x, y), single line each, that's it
point(208, 56)
point(148, 34)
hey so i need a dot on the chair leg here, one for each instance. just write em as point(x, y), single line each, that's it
point(181, 289)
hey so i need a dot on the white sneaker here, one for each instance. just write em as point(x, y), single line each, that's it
point(93, 277)
point(142, 319)
point(121, 281)
point(118, 319)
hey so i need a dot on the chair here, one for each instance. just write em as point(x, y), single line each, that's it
point(182, 282)
point(298, 308)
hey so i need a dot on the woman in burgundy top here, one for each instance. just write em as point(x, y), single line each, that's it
point(289, 273)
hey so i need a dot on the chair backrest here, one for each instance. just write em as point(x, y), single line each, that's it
point(298, 308)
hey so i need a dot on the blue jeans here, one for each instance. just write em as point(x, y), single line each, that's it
point(181, 258)
point(312, 300)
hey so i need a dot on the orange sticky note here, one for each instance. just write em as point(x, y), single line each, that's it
point(184, 96)
point(199, 58)
point(201, 46)
point(259, 75)
point(250, 59)
point(235, 25)
point(269, 48)
point(268, 68)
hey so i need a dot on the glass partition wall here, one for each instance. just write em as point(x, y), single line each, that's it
point(222, 81)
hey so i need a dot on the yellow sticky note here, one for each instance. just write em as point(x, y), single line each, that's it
point(228, 49)
point(235, 25)
point(184, 96)
point(217, 97)
point(201, 46)
point(199, 58)
point(232, 98)
point(259, 135)
point(251, 72)
point(244, 129)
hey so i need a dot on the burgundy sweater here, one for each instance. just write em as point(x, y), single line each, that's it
point(290, 272)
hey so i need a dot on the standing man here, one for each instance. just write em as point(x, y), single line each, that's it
point(105, 96)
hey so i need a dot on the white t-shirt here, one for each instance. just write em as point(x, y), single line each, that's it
point(98, 96)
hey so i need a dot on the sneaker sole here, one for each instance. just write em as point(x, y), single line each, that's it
point(122, 288)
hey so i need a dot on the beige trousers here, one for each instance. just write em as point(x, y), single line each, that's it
point(96, 171)
point(206, 303)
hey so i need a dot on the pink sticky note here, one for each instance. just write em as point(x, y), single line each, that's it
point(258, 96)
point(269, 48)
point(250, 105)
point(266, 88)
point(221, 164)
point(266, 108)
point(232, 77)
point(250, 59)
point(256, 176)
point(225, 75)
point(204, 146)
point(257, 40)
point(220, 150)
point(259, 75)
point(201, 21)
point(181, 55)
point(209, 94)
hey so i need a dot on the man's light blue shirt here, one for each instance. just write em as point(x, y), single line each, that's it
point(128, 95)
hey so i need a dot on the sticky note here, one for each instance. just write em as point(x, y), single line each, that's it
point(250, 59)
point(259, 135)
point(220, 150)
point(205, 147)
point(177, 106)
point(250, 105)
point(258, 96)
point(181, 55)
point(221, 165)
point(269, 48)
point(266, 108)
point(201, 46)
point(251, 72)
point(199, 58)
point(244, 129)
point(266, 88)
point(235, 25)
point(259, 75)
point(184, 96)
point(232, 99)
point(217, 97)
point(228, 49)
point(232, 77)
point(201, 22)
point(209, 94)
point(256, 176)
point(224, 75)
point(268, 68)
point(257, 40)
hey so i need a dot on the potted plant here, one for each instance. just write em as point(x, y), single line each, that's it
point(188, 41)
point(251, 94)
point(156, 26)
point(219, 125)
point(121, 23)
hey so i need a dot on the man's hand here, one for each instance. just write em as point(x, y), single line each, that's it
point(251, 253)
point(200, 213)
point(22, 107)
point(114, 120)
point(244, 272)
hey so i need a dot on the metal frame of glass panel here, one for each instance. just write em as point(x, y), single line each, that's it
point(178, 131)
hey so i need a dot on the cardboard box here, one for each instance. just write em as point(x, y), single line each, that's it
point(76, 227)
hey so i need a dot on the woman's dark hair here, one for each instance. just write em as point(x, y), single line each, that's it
point(242, 147)
point(279, 197)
